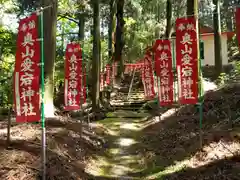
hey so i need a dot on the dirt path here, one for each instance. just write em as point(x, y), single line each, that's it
point(141, 148)
point(119, 160)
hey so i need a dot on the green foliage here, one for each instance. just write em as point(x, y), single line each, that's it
point(6, 72)
point(233, 76)
point(237, 68)
point(8, 49)
point(27, 6)
point(7, 41)
point(222, 79)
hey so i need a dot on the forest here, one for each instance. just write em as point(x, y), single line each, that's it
point(119, 130)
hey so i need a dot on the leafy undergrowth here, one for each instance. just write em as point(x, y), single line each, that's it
point(68, 150)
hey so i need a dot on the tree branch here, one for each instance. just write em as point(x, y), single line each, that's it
point(64, 34)
point(66, 16)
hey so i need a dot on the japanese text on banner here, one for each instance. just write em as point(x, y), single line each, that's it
point(147, 77)
point(101, 81)
point(187, 59)
point(27, 71)
point(73, 77)
point(114, 69)
point(108, 75)
point(163, 65)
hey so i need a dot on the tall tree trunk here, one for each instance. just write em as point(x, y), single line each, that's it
point(131, 52)
point(169, 19)
point(192, 10)
point(81, 27)
point(228, 15)
point(192, 7)
point(50, 24)
point(158, 13)
point(96, 56)
point(102, 63)
point(217, 39)
point(229, 21)
point(111, 27)
point(119, 39)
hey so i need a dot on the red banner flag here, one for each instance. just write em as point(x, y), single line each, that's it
point(143, 81)
point(163, 59)
point(139, 66)
point(238, 25)
point(101, 81)
point(73, 77)
point(114, 68)
point(148, 80)
point(187, 60)
point(108, 74)
point(129, 68)
point(27, 71)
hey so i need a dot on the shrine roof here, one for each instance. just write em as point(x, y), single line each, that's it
point(208, 31)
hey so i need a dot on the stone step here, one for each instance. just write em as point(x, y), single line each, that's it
point(128, 105)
